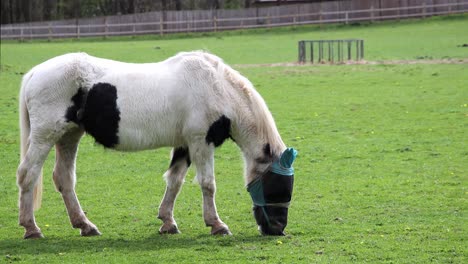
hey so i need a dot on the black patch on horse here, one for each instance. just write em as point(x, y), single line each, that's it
point(219, 131)
point(72, 112)
point(180, 153)
point(100, 116)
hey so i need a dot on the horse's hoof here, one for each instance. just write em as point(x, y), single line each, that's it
point(90, 232)
point(171, 230)
point(33, 235)
point(221, 230)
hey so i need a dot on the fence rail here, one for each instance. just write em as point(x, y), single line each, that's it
point(218, 20)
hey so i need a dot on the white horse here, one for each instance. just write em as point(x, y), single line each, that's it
point(191, 102)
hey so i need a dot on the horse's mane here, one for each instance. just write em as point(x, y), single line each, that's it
point(264, 123)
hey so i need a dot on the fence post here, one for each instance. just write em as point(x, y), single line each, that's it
point(295, 16)
point(362, 49)
point(346, 18)
point(424, 9)
point(320, 59)
point(30, 31)
point(215, 24)
point(312, 52)
point(105, 27)
point(357, 50)
point(133, 26)
point(49, 37)
point(161, 26)
point(320, 16)
point(301, 51)
point(339, 51)
point(349, 50)
point(372, 13)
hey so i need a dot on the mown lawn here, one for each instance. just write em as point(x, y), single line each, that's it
point(381, 175)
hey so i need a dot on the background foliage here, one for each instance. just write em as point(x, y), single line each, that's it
point(17, 11)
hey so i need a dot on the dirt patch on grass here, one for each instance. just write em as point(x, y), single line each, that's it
point(379, 62)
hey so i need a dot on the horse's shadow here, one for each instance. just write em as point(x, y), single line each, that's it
point(154, 242)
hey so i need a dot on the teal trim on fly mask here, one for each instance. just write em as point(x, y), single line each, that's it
point(284, 165)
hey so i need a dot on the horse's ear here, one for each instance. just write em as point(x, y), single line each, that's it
point(267, 150)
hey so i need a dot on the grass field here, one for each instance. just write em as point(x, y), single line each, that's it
point(381, 175)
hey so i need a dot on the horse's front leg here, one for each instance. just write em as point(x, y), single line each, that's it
point(174, 176)
point(65, 178)
point(203, 157)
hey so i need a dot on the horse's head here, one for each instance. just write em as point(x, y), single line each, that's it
point(271, 194)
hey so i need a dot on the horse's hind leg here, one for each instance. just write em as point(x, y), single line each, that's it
point(65, 179)
point(27, 176)
point(174, 176)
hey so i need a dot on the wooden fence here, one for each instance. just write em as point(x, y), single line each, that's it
point(341, 11)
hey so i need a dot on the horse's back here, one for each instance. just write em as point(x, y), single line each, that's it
point(53, 74)
point(144, 105)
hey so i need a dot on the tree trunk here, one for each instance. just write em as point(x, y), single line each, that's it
point(178, 5)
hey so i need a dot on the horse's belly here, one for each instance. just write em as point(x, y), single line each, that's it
point(134, 136)
point(147, 124)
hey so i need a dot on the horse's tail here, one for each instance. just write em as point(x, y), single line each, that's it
point(25, 130)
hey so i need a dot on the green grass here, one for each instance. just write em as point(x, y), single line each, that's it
point(381, 175)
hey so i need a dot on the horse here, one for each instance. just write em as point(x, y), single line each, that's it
point(191, 102)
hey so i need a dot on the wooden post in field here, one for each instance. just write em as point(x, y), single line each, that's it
point(357, 50)
point(349, 50)
point(340, 59)
point(362, 49)
point(312, 52)
point(302, 51)
point(320, 59)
